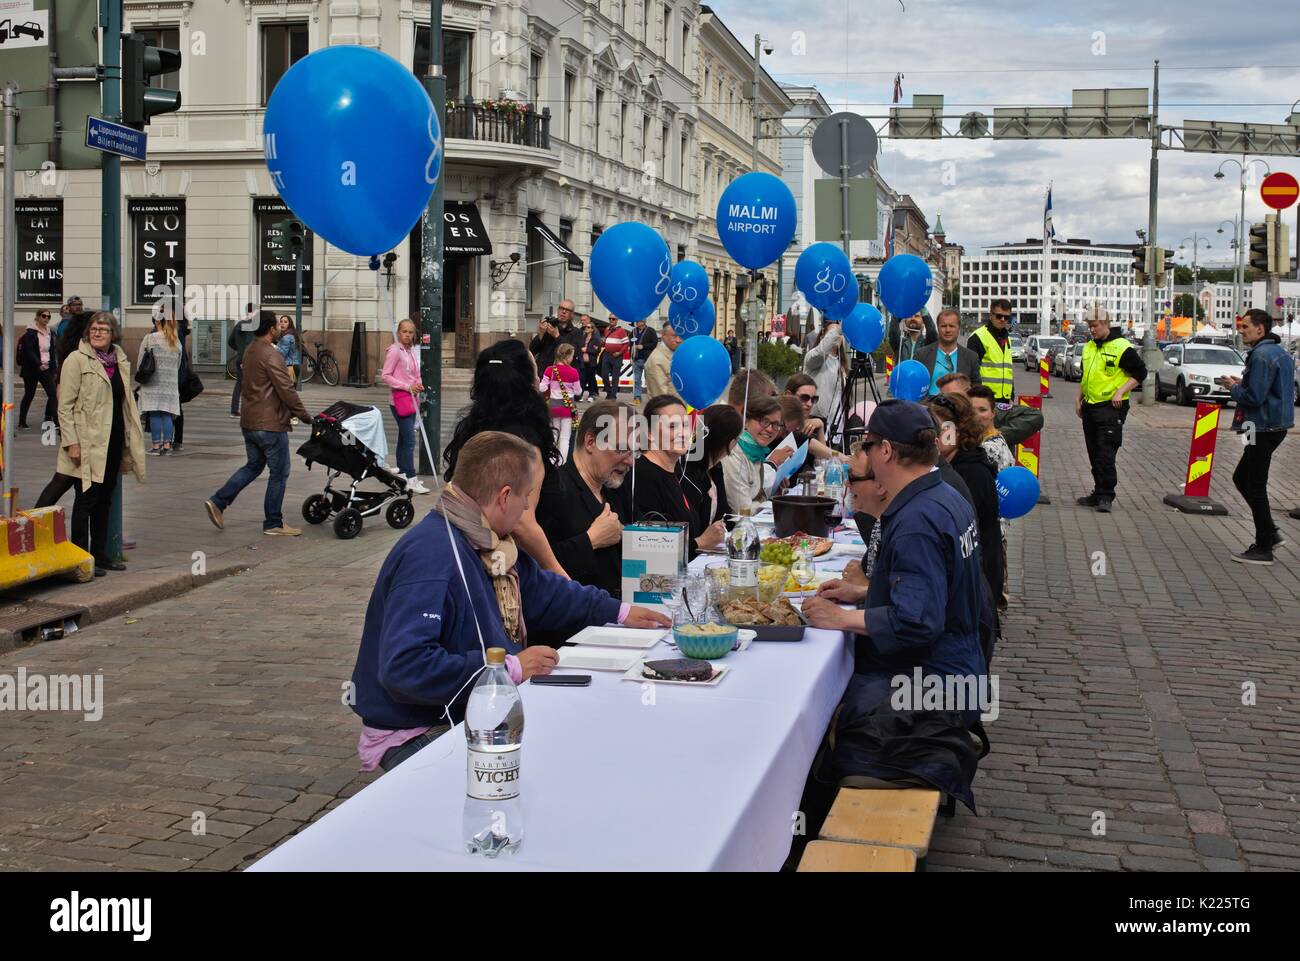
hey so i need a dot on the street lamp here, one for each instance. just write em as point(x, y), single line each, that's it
point(761, 47)
point(1196, 241)
point(1242, 165)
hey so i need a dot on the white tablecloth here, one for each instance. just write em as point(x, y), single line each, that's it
point(699, 779)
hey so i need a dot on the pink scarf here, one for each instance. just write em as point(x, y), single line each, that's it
point(108, 359)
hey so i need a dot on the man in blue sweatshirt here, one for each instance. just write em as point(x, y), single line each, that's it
point(455, 585)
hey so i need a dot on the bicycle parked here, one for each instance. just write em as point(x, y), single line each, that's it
point(323, 362)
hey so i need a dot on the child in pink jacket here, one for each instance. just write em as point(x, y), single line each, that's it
point(560, 383)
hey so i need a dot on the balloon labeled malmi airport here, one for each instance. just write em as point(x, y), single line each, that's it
point(756, 219)
point(353, 147)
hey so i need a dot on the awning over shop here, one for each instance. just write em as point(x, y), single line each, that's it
point(463, 233)
point(558, 245)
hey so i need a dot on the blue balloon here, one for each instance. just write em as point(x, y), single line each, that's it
point(864, 328)
point(630, 270)
point(823, 273)
point(689, 284)
point(690, 322)
point(844, 305)
point(1017, 491)
point(911, 381)
point(353, 146)
point(905, 283)
point(756, 219)
point(701, 369)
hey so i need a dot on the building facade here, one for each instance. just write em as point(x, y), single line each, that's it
point(1083, 274)
point(724, 78)
point(563, 118)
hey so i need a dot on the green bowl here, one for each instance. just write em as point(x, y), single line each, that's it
point(708, 647)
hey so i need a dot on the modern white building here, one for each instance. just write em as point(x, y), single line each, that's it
point(1083, 274)
point(564, 118)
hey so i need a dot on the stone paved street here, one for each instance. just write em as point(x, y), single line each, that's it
point(1121, 693)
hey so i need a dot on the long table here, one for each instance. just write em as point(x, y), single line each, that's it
point(618, 776)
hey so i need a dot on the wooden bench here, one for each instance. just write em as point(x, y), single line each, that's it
point(901, 819)
point(835, 856)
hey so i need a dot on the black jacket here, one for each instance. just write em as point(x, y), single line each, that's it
point(565, 510)
point(980, 477)
point(658, 495)
point(643, 343)
point(544, 347)
point(29, 354)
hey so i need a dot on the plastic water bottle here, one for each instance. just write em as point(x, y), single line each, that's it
point(743, 545)
point(494, 733)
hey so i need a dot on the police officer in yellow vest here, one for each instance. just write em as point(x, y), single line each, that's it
point(992, 343)
point(1111, 368)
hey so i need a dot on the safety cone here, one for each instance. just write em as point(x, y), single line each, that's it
point(1195, 498)
point(1044, 378)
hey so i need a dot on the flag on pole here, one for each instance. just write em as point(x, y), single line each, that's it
point(1049, 231)
point(898, 87)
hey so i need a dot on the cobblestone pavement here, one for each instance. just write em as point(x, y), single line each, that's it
point(1121, 692)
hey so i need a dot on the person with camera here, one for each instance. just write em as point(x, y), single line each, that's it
point(553, 331)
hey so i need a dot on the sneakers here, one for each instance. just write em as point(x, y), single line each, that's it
point(1279, 539)
point(155, 452)
point(214, 515)
point(416, 486)
point(1253, 555)
point(282, 531)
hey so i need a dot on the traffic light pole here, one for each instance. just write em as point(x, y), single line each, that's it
point(1151, 353)
point(110, 19)
point(11, 283)
point(297, 294)
point(435, 85)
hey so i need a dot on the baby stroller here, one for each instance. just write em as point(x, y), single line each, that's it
point(334, 443)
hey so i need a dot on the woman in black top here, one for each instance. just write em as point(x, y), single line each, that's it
point(702, 481)
point(503, 396)
point(959, 442)
point(657, 493)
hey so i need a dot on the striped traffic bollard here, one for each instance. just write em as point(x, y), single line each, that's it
point(1044, 378)
point(35, 545)
point(1195, 498)
point(1029, 453)
point(889, 369)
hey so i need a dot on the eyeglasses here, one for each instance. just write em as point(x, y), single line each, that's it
point(808, 398)
point(868, 444)
point(44, 316)
point(771, 424)
point(855, 479)
point(1000, 316)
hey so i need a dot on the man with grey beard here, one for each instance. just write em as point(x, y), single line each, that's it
point(582, 508)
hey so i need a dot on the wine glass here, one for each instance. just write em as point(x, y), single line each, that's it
point(802, 570)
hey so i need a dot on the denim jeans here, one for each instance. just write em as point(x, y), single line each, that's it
point(160, 426)
point(405, 442)
point(263, 448)
point(638, 377)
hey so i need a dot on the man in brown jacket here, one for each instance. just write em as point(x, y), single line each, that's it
point(268, 400)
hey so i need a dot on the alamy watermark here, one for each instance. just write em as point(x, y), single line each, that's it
point(946, 692)
point(83, 693)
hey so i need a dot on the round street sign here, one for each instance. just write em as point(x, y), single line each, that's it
point(1279, 190)
point(862, 143)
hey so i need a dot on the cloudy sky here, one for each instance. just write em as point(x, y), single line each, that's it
point(1218, 61)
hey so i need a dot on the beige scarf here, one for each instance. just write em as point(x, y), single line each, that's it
point(497, 554)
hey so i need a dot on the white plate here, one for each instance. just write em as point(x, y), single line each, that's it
point(719, 672)
point(614, 636)
point(597, 659)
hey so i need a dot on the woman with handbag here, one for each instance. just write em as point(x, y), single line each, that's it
point(558, 385)
point(157, 371)
point(402, 373)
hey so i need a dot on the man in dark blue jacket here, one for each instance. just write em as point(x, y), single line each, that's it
point(1265, 397)
point(455, 585)
point(925, 604)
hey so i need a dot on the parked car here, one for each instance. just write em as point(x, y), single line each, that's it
point(1068, 363)
point(1017, 349)
point(1190, 372)
point(1038, 346)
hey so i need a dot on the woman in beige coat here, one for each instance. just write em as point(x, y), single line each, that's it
point(101, 436)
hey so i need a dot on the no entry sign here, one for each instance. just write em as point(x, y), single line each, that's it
point(1279, 190)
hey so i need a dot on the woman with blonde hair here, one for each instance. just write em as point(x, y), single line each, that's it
point(402, 373)
point(160, 393)
point(101, 436)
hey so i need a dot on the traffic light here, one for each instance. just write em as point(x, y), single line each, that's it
point(1261, 241)
point(141, 62)
point(286, 239)
point(1163, 256)
point(1140, 265)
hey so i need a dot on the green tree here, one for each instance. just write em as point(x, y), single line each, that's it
point(1183, 305)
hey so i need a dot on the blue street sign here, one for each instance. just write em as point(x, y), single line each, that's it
point(116, 138)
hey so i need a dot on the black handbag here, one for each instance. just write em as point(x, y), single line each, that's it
point(148, 367)
point(190, 384)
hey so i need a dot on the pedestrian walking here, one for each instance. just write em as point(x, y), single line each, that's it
point(588, 354)
point(644, 341)
point(1265, 397)
point(269, 400)
point(1111, 368)
point(992, 343)
point(402, 373)
point(190, 385)
point(240, 336)
point(611, 360)
point(158, 367)
point(289, 348)
point(100, 436)
point(558, 384)
point(38, 362)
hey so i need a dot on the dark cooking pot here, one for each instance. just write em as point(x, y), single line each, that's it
point(812, 515)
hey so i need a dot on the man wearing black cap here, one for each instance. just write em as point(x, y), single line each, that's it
point(926, 605)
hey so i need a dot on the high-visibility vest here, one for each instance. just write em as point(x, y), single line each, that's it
point(995, 365)
point(1102, 375)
